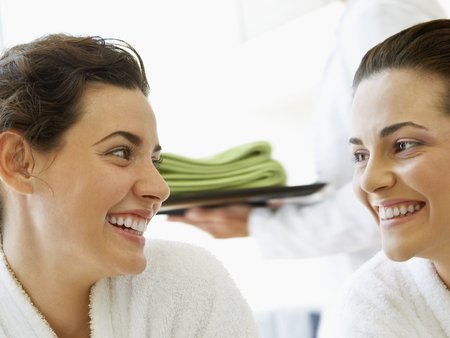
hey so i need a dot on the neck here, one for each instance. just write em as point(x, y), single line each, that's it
point(443, 271)
point(74, 320)
point(441, 261)
point(57, 293)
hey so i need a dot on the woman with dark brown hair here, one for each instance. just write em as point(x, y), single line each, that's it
point(79, 184)
point(401, 148)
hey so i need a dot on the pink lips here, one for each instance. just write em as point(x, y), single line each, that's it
point(143, 213)
point(391, 203)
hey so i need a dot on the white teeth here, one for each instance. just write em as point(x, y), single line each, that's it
point(135, 223)
point(403, 210)
point(141, 225)
point(391, 212)
point(128, 222)
point(396, 212)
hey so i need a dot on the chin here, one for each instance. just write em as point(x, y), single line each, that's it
point(397, 253)
point(136, 266)
point(130, 265)
point(397, 257)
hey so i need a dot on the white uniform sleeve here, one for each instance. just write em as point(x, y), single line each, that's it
point(370, 22)
point(339, 223)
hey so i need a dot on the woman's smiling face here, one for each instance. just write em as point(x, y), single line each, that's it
point(95, 195)
point(401, 146)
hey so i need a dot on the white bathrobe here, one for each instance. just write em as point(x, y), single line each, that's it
point(389, 299)
point(184, 292)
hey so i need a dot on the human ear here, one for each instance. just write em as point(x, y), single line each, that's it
point(15, 162)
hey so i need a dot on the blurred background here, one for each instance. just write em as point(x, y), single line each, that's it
point(222, 73)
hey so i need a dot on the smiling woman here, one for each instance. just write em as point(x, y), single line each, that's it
point(79, 184)
point(401, 148)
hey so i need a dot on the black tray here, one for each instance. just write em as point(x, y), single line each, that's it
point(178, 204)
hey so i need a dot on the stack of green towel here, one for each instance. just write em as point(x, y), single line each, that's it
point(246, 166)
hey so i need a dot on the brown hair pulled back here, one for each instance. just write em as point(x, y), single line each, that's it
point(41, 82)
point(424, 47)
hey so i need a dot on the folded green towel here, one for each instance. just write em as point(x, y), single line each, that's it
point(246, 166)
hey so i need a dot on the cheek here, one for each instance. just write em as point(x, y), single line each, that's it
point(360, 193)
point(111, 187)
point(357, 188)
point(88, 201)
point(434, 187)
point(92, 189)
point(421, 176)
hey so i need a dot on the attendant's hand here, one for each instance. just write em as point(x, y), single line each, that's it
point(221, 222)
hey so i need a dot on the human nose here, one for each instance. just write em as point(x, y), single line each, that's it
point(377, 176)
point(151, 184)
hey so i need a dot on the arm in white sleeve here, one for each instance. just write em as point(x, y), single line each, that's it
point(367, 23)
point(338, 223)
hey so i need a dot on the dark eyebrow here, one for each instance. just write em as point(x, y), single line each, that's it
point(136, 140)
point(389, 130)
point(386, 131)
point(356, 141)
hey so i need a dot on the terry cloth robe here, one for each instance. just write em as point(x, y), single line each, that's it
point(184, 292)
point(387, 299)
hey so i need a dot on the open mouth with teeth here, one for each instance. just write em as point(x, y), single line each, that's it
point(401, 210)
point(135, 225)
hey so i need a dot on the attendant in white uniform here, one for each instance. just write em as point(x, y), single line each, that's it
point(401, 147)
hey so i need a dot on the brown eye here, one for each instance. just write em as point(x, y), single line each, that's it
point(121, 152)
point(405, 145)
point(360, 156)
